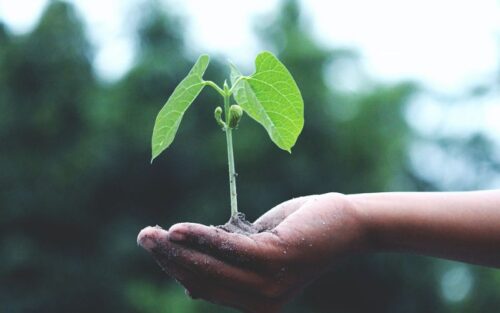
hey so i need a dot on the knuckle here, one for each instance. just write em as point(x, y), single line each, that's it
point(336, 196)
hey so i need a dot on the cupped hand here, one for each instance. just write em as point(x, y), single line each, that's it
point(299, 239)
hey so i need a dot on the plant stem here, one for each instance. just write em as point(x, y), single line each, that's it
point(236, 83)
point(230, 156)
point(215, 87)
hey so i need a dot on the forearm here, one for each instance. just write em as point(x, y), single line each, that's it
point(455, 225)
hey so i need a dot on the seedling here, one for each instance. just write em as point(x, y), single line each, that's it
point(270, 96)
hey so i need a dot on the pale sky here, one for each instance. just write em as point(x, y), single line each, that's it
point(447, 45)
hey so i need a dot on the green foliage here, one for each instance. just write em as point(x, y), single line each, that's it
point(75, 188)
point(271, 97)
point(170, 116)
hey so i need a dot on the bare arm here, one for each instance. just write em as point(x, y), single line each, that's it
point(261, 272)
point(462, 226)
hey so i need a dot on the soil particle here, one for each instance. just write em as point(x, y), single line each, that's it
point(239, 224)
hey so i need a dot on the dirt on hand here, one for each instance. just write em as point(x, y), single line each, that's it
point(238, 224)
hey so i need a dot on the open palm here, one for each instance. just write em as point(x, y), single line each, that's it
point(299, 239)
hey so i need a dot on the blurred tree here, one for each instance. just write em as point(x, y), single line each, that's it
point(339, 128)
point(46, 78)
point(3, 35)
point(76, 184)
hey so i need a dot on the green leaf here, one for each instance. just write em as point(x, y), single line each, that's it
point(170, 116)
point(271, 97)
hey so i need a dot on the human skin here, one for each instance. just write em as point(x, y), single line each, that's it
point(305, 236)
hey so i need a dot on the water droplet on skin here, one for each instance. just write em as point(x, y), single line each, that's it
point(303, 239)
point(323, 223)
point(284, 251)
point(310, 245)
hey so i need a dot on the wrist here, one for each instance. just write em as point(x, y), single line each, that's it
point(362, 207)
point(358, 229)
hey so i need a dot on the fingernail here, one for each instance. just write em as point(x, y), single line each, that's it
point(176, 235)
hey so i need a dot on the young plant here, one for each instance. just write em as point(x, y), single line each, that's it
point(270, 96)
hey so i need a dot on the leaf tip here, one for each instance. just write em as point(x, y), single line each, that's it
point(153, 157)
point(287, 148)
point(203, 61)
point(154, 154)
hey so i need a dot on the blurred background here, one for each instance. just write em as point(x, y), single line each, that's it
point(399, 95)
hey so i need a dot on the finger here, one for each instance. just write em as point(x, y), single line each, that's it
point(185, 265)
point(206, 289)
point(155, 240)
point(150, 237)
point(233, 247)
point(217, 282)
point(276, 215)
point(217, 271)
point(275, 286)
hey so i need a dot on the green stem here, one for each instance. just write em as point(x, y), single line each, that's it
point(214, 86)
point(236, 83)
point(230, 156)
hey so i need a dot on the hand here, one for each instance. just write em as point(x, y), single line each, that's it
point(260, 272)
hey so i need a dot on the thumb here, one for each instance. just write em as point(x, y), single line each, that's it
point(276, 215)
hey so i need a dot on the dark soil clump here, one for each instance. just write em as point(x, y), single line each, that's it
point(239, 224)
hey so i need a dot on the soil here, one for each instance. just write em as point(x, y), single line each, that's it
point(239, 224)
